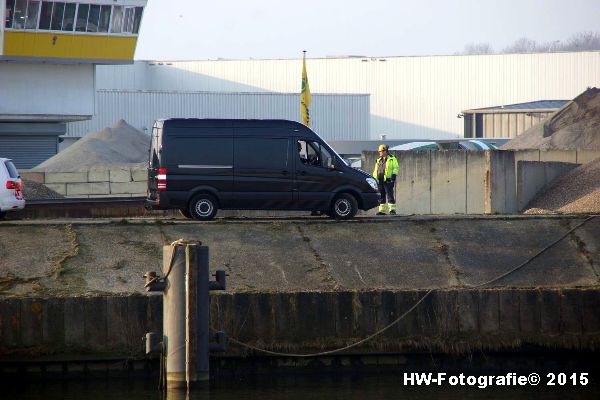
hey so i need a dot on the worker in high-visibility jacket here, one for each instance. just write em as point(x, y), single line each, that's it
point(386, 170)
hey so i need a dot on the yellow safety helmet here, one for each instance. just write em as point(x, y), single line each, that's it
point(383, 147)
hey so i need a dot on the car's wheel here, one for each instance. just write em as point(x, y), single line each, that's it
point(185, 213)
point(203, 207)
point(344, 206)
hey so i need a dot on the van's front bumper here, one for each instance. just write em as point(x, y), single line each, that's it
point(370, 200)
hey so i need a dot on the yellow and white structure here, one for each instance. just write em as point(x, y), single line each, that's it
point(80, 31)
point(48, 56)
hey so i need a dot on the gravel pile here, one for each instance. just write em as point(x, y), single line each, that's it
point(576, 192)
point(118, 146)
point(575, 126)
point(38, 191)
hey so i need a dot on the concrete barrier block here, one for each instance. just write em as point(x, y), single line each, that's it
point(476, 177)
point(413, 185)
point(75, 189)
point(530, 311)
point(74, 322)
point(39, 177)
point(10, 322)
point(448, 182)
point(533, 177)
point(139, 175)
point(31, 322)
point(60, 188)
point(501, 182)
point(510, 318)
point(468, 311)
point(489, 304)
point(571, 305)
point(550, 312)
point(94, 320)
point(53, 323)
point(77, 196)
point(120, 175)
point(591, 310)
point(585, 156)
point(98, 175)
point(128, 188)
point(568, 156)
point(66, 177)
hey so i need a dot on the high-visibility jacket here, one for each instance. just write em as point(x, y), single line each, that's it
point(391, 167)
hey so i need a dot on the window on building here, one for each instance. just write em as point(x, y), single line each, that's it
point(46, 15)
point(137, 20)
point(10, 7)
point(19, 14)
point(128, 20)
point(82, 17)
point(93, 18)
point(69, 18)
point(33, 11)
point(104, 18)
point(57, 15)
point(117, 19)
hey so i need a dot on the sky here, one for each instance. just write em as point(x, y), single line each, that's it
point(274, 29)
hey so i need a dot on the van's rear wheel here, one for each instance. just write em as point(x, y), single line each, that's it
point(203, 207)
point(344, 206)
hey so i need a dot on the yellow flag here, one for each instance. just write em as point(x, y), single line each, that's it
point(305, 97)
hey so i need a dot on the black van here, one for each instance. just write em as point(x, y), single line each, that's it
point(201, 165)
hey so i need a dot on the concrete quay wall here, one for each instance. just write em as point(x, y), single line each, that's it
point(453, 321)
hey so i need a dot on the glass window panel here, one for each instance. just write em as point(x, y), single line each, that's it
point(57, 15)
point(33, 10)
point(128, 21)
point(137, 19)
point(104, 18)
point(19, 14)
point(10, 7)
point(117, 19)
point(69, 18)
point(46, 15)
point(82, 16)
point(93, 18)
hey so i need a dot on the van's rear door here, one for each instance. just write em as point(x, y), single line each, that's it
point(154, 161)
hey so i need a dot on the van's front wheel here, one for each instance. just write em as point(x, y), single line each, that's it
point(203, 207)
point(344, 206)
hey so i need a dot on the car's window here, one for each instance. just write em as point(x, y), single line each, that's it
point(267, 153)
point(313, 154)
point(12, 170)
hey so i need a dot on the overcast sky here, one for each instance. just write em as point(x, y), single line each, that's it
point(242, 29)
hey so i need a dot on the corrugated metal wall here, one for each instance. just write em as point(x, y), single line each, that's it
point(28, 151)
point(334, 117)
point(502, 125)
point(411, 97)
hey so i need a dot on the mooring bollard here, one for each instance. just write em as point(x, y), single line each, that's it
point(185, 342)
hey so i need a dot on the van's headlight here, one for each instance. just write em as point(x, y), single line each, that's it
point(373, 183)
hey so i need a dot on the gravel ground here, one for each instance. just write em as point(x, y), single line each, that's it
point(576, 192)
point(37, 191)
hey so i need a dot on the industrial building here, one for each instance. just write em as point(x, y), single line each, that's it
point(48, 54)
point(410, 97)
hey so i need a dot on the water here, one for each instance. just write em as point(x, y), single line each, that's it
point(302, 388)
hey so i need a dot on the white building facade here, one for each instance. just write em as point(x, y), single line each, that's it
point(410, 97)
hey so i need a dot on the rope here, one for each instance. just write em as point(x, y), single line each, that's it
point(177, 242)
point(377, 333)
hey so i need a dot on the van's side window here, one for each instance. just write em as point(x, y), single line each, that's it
point(312, 153)
point(256, 153)
point(200, 152)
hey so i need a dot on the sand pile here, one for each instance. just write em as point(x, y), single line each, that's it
point(119, 145)
point(575, 126)
point(576, 192)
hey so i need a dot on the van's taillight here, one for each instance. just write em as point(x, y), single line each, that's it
point(161, 179)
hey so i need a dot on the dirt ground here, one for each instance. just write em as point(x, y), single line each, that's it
point(84, 258)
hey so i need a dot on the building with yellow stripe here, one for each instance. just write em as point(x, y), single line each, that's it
point(48, 56)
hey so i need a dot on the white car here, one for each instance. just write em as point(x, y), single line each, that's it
point(11, 186)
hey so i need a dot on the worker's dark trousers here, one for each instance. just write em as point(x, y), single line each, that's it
point(386, 192)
